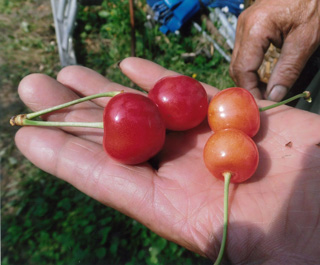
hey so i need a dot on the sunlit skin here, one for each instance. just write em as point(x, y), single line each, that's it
point(273, 216)
point(133, 128)
point(232, 151)
point(234, 108)
point(182, 101)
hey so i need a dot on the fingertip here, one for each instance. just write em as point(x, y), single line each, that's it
point(24, 140)
point(28, 138)
point(31, 86)
point(40, 145)
point(18, 139)
point(85, 81)
point(28, 82)
point(256, 93)
point(277, 93)
point(135, 62)
point(248, 80)
point(143, 72)
point(68, 73)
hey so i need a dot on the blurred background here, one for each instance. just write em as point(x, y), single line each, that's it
point(44, 220)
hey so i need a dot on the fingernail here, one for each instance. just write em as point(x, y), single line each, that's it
point(118, 64)
point(277, 93)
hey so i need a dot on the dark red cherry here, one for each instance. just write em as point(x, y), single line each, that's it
point(182, 101)
point(133, 128)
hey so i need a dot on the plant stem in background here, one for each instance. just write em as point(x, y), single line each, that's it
point(133, 30)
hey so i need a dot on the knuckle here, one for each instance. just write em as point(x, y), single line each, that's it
point(239, 68)
point(236, 72)
point(231, 71)
point(289, 70)
point(232, 74)
point(254, 17)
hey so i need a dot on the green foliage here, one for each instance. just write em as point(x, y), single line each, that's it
point(103, 39)
point(47, 221)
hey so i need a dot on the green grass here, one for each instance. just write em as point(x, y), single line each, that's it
point(109, 25)
point(45, 220)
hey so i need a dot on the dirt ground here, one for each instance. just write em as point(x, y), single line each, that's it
point(28, 45)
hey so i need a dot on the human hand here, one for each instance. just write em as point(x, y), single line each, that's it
point(274, 217)
point(292, 25)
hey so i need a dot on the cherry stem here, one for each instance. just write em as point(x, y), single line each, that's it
point(33, 115)
point(27, 122)
point(26, 119)
point(305, 94)
point(227, 178)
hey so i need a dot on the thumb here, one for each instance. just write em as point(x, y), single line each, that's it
point(295, 53)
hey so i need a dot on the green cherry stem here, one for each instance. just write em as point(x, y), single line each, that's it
point(305, 94)
point(26, 119)
point(26, 122)
point(33, 115)
point(227, 178)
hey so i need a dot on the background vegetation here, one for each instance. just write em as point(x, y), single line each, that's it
point(47, 221)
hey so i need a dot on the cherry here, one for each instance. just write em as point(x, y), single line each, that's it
point(133, 128)
point(231, 150)
point(182, 101)
point(234, 108)
point(230, 155)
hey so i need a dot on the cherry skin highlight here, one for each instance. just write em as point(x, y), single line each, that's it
point(231, 151)
point(133, 128)
point(182, 101)
point(234, 108)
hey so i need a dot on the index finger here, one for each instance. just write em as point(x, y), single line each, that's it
point(85, 82)
point(255, 32)
point(246, 62)
point(145, 73)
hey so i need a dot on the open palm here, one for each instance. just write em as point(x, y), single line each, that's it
point(274, 216)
